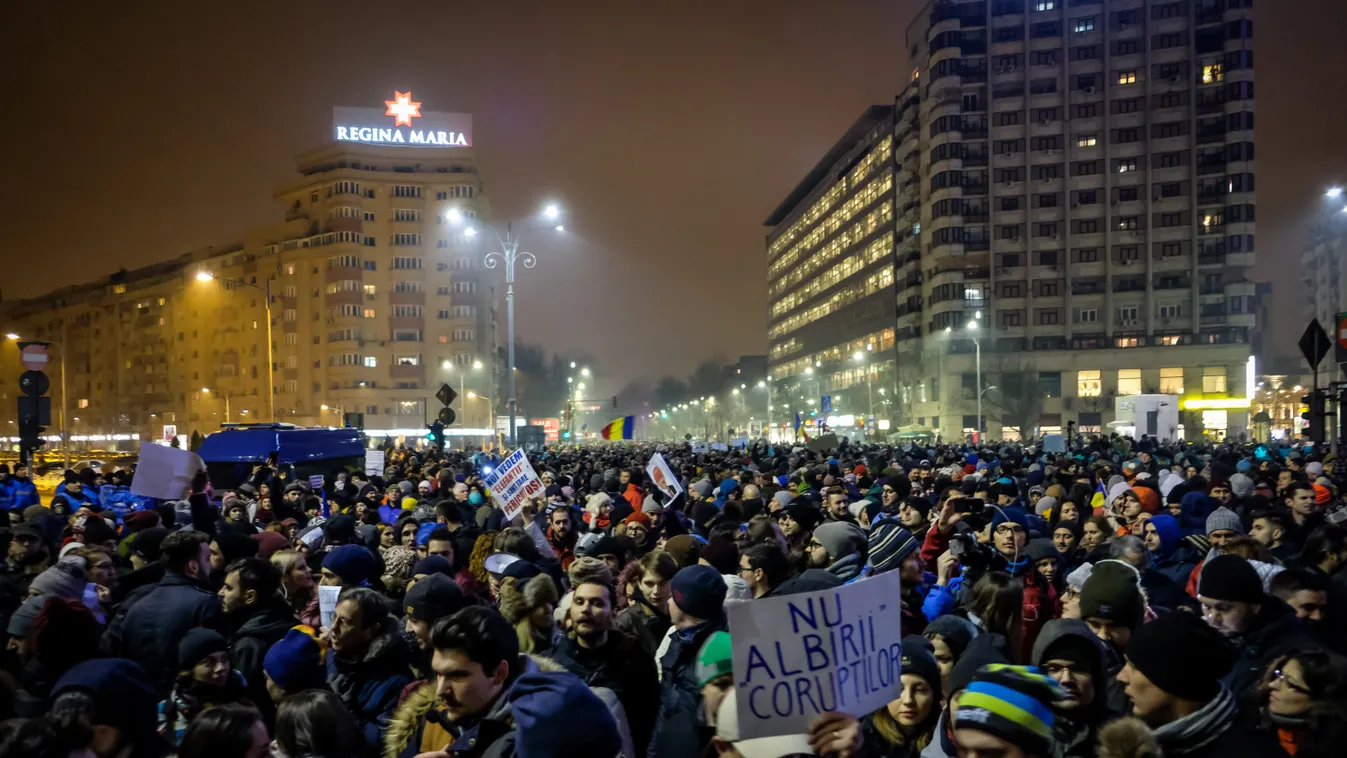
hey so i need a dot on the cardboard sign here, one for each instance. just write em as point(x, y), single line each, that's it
point(327, 604)
point(663, 477)
point(165, 472)
point(801, 655)
point(513, 483)
point(374, 463)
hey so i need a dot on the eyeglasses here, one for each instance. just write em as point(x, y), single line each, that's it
point(1007, 529)
point(1280, 676)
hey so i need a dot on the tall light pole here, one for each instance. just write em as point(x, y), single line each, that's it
point(977, 351)
point(265, 288)
point(510, 255)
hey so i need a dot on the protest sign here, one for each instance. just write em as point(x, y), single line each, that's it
point(513, 483)
point(801, 655)
point(374, 463)
point(327, 604)
point(700, 447)
point(316, 482)
point(1054, 443)
point(165, 472)
point(663, 476)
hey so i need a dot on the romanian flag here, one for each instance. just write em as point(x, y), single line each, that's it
point(620, 429)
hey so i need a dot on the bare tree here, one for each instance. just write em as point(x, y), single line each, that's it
point(1015, 399)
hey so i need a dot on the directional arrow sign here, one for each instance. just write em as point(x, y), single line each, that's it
point(447, 394)
point(1314, 343)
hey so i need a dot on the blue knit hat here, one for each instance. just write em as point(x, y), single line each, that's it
point(890, 543)
point(299, 661)
point(699, 591)
point(355, 564)
point(556, 716)
point(1013, 703)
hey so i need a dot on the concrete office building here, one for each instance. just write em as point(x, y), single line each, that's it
point(375, 300)
point(1075, 180)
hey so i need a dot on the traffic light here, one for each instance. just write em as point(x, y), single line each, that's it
point(1314, 416)
point(435, 434)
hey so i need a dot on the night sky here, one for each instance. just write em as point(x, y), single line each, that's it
point(669, 130)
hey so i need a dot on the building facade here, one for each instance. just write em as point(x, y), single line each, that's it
point(375, 299)
point(1323, 276)
point(1073, 219)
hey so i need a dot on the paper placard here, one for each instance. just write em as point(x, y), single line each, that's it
point(327, 604)
point(374, 463)
point(801, 655)
point(513, 483)
point(165, 472)
point(663, 477)
point(316, 482)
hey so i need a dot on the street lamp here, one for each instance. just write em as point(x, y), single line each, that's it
point(509, 255)
point(205, 276)
point(1334, 193)
point(977, 348)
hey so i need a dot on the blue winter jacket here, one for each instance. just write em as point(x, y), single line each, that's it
point(22, 493)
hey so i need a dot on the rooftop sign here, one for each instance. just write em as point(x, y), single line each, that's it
point(402, 123)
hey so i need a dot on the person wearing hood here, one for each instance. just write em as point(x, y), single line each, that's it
point(598, 509)
point(1164, 538)
point(1263, 627)
point(370, 661)
point(1172, 676)
point(115, 696)
point(1067, 651)
point(206, 679)
point(256, 617)
point(950, 636)
point(839, 548)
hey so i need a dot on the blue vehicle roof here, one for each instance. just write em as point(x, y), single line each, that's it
point(292, 444)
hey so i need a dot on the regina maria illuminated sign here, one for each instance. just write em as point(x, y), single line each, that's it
point(401, 123)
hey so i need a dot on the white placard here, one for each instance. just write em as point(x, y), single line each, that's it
point(801, 655)
point(327, 604)
point(513, 483)
point(1054, 443)
point(663, 477)
point(374, 463)
point(165, 472)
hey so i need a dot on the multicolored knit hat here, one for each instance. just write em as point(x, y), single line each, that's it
point(713, 660)
point(299, 661)
point(1013, 703)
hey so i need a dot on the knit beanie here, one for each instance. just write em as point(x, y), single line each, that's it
point(1044, 505)
point(433, 564)
point(234, 546)
point(1322, 494)
point(699, 591)
point(984, 650)
point(890, 544)
point(714, 659)
point(197, 644)
point(805, 514)
point(97, 531)
point(122, 690)
point(556, 715)
point(355, 564)
point(1182, 655)
point(270, 543)
point(723, 555)
point(64, 579)
point(590, 570)
point(1230, 578)
point(1224, 519)
point(1013, 703)
point(1113, 593)
point(919, 659)
point(298, 661)
point(22, 620)
point(840, 538)
point(146, 543)
point(1241, 485)
point(956, 631)
point(685, 549)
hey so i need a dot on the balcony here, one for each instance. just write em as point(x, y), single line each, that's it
point(407, 371)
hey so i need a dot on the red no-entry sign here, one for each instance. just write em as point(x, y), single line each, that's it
point(34, 356)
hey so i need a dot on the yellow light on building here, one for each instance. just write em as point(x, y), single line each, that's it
point(1214, 404)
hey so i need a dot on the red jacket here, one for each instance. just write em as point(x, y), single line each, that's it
point(634, 496)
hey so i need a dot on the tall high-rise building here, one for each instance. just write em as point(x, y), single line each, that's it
point(1073, 221)
point(376, 298)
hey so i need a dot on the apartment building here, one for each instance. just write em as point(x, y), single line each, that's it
point(1074, 217)
point(375, 299)
point(1323, 276)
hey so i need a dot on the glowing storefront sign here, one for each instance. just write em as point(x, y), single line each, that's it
point(402, 123)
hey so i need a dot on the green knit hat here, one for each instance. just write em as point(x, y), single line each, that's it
point(714, 658)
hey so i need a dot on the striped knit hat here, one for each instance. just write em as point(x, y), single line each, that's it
point(1013, 703)
point(890, 543)
point(713, 660)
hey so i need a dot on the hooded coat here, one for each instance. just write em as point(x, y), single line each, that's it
point(1075, 732)
point(621, 666)
point(369, 686)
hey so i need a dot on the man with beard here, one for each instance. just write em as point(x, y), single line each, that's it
point(605, 657)
point(256, 617)
point(28, 557)
point(798, 524)
point(839, 548)
point(561, 535)
point(1067, 651)
point(837, 508)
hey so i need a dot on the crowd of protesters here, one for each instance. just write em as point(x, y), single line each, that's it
point(1122, 599)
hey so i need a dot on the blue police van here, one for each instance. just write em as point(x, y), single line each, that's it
point(232, 454)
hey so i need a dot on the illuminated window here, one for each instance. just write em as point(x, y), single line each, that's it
point(1088, 384)
point(84, 402)
point(1045, 5)
point(1214, 420)
point(371, 361)
point(1212, 73)
point(1084, 25)
point(1213, 379)
point(371, 290)
point(1129, 381)
point(1172, 339)
point(1087, 140)
point(1127, 77)
point(1171, 381)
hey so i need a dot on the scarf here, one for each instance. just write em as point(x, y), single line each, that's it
point(847, 568)
point(1200, 728)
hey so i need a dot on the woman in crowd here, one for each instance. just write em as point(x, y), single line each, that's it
point(1304, 701)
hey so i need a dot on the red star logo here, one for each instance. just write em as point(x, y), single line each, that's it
point(402, 109)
